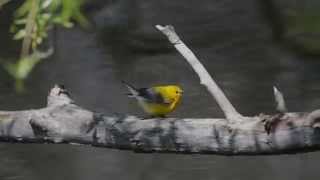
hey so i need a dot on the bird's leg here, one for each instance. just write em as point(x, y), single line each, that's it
point(153, 116)
point(162, 116)
point(148, 117)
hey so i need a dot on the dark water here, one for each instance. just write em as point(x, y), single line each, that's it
point(235, 43)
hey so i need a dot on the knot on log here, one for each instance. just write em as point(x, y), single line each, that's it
point(62, 121)
point(39, 131)
point(314, 118)
point(59, 96)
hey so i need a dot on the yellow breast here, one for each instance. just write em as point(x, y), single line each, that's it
point(171, 94)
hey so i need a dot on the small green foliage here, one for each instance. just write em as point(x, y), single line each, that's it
point(48, 14)
point(24, 66)
point(21, 68)
point(32, 21)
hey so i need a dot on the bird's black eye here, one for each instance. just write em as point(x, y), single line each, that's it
point(177, 92)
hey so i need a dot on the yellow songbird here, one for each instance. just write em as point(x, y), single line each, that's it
point(157, 101)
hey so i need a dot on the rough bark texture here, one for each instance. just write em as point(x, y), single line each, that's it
point(64, 122)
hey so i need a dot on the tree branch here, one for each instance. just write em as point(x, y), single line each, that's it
point(229, 111)
point(30, 25)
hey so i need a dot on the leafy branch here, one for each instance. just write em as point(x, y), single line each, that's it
point(32, 22)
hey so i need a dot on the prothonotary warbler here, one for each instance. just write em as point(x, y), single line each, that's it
point(157, 101)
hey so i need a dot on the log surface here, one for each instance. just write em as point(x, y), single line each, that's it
point(62, 121)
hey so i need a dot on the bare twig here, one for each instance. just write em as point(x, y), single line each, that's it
point(205, 79)
point(31, 22)
point(280, 102)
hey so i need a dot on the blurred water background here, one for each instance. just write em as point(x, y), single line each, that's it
point(248, 46)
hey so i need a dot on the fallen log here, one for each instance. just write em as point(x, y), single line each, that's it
point(62, 121)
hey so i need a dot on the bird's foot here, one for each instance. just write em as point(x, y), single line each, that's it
point(146, 117)
point(152, 117)
point(162, 116)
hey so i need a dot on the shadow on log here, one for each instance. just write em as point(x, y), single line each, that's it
point(62, 121)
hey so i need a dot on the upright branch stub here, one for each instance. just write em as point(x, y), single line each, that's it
point(58, 96)
point(280, 103)
point(229, 111)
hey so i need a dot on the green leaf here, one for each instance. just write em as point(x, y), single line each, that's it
point(39, 40)
point(25, 66)
point(67, 24)
point(20, 21)
point(10, 68)
point(46, 3)
point(54, 5)
point(22, 68)
point(20, 34)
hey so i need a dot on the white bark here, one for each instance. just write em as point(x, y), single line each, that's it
point(64, 122)
point(280, 103)
point(229, 111)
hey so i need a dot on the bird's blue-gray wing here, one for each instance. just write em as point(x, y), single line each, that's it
point(149, 95)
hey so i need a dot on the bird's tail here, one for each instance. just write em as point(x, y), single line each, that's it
point(133, 91)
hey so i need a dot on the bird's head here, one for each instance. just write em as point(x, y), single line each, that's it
point(174, 91)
